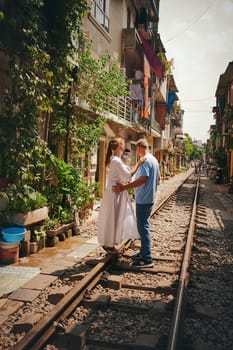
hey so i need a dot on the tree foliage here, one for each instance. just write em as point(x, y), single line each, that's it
point(50, 69)
point(191, 149)
point(188, 145)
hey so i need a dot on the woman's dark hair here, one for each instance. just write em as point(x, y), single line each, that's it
point(112, 146)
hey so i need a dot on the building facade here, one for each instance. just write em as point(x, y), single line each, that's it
point(128, 31)
point(222, 132)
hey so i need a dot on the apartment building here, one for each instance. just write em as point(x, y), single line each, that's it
point(128, 31)
point(222, 132)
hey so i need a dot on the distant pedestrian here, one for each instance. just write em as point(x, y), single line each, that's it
point(145, 183)
point(116, 220)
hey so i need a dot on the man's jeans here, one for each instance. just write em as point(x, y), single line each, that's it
point(143, 223)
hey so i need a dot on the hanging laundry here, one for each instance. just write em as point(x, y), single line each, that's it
point(136, 91)
point(153, 59)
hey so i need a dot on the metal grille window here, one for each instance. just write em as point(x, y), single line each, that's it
point(100, 11)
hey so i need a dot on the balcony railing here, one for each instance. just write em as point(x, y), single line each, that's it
point(155, 125)
point(131, 38)
point(127, 110)
point(122, 109)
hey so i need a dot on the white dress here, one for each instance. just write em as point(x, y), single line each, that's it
point(117, 220)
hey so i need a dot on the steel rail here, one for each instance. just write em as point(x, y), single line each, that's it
point(183, 280)
point(65, 307)
point(164, 202)
point(43, 330)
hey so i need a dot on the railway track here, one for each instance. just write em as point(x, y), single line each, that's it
point(208, 313)
point(116, 306)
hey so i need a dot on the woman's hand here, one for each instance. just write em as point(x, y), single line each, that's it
point(137, 165)
point(141, 160)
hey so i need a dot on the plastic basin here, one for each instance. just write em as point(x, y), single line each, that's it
point(13, 234)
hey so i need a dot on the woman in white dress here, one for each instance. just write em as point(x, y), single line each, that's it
point(117, 220)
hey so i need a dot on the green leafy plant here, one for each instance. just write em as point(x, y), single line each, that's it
point(67, 215)
point(24, 198)
point(37, 235)
point(52, 223)
point(168, 64)
point(46, 132)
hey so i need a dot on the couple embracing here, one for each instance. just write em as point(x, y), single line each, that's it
point(116, 217)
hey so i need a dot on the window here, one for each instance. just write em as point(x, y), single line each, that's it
point(128, 18)
point(100, 11)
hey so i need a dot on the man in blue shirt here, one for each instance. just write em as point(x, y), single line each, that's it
point(145, 184)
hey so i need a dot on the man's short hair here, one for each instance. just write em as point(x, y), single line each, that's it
point(142, 143)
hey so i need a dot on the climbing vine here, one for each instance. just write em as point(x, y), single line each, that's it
point(51, 75)
point(168, 64)
point(24, 95)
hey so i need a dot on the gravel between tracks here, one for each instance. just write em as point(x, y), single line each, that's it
point(41, 306)
point(209, 320)
point(209, 324)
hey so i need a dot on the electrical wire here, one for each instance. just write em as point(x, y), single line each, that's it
point(196, 111)
point(200, 99)
point(193, 21)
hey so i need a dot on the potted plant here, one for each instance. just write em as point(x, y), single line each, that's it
point(83, 198)
point(67, 216)
point(53, 226)
point(60, 220)
point(82, 201)
point(38, 240)
point(26, 205)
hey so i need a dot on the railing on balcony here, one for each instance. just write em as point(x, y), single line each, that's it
point(179, 131)
point(155, 125)
point(130, 38)
point(122, 109)
point(128, 110)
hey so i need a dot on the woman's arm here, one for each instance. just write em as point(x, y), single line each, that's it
point(137, 165)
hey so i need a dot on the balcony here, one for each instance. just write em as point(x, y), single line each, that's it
point(130, 38)
point(179, 131)
point(155, 125)
point(155, 128)
point(133, 54)
point(122, 110)
point(179, 144)
point(129, 112)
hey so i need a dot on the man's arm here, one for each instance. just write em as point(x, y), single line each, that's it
point(136, 183)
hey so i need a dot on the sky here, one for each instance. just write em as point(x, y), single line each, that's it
point(198, 35)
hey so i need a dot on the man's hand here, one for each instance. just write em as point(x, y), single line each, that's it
point(136, 183)
point(118, 188)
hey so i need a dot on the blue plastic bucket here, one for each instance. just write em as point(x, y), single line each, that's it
point(13, 234)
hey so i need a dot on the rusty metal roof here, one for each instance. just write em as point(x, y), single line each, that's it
point(172, 84)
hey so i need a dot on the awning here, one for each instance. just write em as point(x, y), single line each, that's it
point(170, 100)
